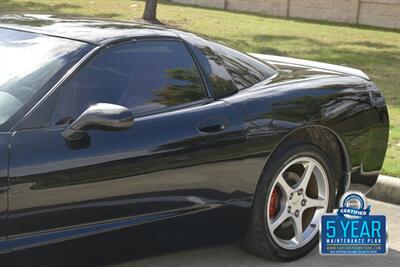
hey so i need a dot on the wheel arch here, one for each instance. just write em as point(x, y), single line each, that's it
point(329, 142)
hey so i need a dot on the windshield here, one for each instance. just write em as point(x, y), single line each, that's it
point(30, 64)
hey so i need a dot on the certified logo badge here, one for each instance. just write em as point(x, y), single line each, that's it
point(353, 230)
point(353, 205)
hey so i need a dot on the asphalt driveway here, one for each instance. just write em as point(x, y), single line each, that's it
point(232, 255)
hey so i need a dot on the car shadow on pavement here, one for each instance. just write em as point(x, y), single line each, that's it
point(222, 255)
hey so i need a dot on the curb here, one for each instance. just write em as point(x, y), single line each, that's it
point(386, 189)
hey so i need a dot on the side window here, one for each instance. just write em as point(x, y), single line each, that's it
point(144, 76)
point(245, 70)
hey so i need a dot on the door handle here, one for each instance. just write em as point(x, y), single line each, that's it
point(212, 126)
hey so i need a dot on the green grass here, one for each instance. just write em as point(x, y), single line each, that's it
point(375, 51)
point(392, 160)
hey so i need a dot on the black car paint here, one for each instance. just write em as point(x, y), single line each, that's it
point(165, 168)
point(5, 139)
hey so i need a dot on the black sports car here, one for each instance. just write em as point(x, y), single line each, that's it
point(145, 133)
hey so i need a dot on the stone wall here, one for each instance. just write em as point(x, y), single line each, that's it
point(269, 7)
point(329, 10)
point(381, 13)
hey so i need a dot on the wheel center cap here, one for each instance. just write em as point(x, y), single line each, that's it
point(295, 201)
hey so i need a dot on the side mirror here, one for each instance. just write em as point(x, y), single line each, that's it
point(100, 116)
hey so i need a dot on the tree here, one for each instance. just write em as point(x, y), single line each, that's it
point(150, 11)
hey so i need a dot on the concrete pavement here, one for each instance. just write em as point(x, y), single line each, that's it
point(386, 189)
point(233, 256)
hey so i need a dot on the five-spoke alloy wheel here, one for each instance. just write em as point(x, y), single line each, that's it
point(302, 189)
point(296, 188)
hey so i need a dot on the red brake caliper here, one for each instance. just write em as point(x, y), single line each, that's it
point(274, 203)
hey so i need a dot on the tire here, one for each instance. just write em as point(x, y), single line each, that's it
point(273, 202)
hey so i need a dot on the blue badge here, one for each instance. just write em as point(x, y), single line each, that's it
point(353, 230)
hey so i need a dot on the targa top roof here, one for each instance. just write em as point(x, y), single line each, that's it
point(95, 31)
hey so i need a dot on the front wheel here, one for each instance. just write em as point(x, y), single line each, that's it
point(295, 190)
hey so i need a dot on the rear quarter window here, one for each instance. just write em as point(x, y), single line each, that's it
point(244, 70)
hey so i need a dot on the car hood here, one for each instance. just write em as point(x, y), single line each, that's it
point(287, 63)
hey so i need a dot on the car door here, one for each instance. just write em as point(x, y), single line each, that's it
point(182, 155)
